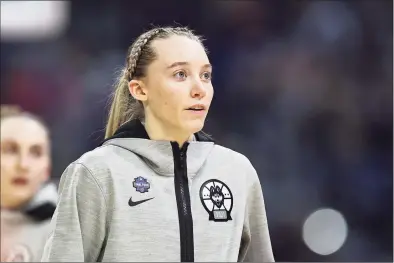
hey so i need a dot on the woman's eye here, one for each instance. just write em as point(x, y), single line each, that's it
point(9, 148)
point(36, 151)
point(207, 75)
point(180, 75)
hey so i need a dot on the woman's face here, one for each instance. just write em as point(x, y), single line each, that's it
point(25, 159)
point(177, 80)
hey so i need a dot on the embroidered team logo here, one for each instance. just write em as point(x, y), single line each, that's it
point(217, 200)
point(19, 253)
point(141, 184)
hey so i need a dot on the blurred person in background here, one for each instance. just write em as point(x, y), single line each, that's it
point(165, 190)
point(28, 198)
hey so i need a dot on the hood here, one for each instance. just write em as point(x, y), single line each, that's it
point(43, 204)
point(159, 155)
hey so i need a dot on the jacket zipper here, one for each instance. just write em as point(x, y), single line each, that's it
point(183, 202)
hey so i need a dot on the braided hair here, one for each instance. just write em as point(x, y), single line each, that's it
point(140, 55)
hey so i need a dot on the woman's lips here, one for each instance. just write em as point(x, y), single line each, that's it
point(20, 181)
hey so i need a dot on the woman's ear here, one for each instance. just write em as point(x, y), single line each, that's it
point(138, 90)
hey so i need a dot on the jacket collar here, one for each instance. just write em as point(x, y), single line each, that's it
point(135, 129)
point(159, 155)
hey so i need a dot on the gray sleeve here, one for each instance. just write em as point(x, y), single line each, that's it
point(78, 226)
point(256, 241)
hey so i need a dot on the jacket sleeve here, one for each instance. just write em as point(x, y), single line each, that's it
point(78, 226)
point(256, 241)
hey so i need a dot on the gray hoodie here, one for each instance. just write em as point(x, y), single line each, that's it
point(135, 199)
point(24, 231)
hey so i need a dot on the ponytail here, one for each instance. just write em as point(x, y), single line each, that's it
point(123, 106)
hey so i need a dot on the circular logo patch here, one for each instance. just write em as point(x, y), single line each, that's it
point(19, 253)
point(217, 199)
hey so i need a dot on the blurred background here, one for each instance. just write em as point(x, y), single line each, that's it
point(302, 88)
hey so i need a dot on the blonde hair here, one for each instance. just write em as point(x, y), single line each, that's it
point(139, 56)
point(8, 111)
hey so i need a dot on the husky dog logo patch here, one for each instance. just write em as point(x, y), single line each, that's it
point(217, 199)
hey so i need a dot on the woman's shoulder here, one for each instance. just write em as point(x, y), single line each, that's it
point(92, 166)
point(97, 161)
point(96, 156)
point(231, 157)
point(236, 162)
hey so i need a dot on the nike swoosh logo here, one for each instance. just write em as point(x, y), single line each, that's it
point(131, 203)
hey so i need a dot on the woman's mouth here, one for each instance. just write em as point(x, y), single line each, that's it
point(197, 107)
point(20, 181)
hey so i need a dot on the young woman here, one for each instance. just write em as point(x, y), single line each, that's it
point(28, 200)
point(159, 189)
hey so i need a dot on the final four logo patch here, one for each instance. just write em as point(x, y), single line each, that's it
point(217, 200)
point(141, 184)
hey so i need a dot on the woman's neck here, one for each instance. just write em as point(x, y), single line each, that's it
point(159, 132)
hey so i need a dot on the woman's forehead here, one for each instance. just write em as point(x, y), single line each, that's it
point(179, 49)
point(23, 129)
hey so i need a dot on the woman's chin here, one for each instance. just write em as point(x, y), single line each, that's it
point(194, 126)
